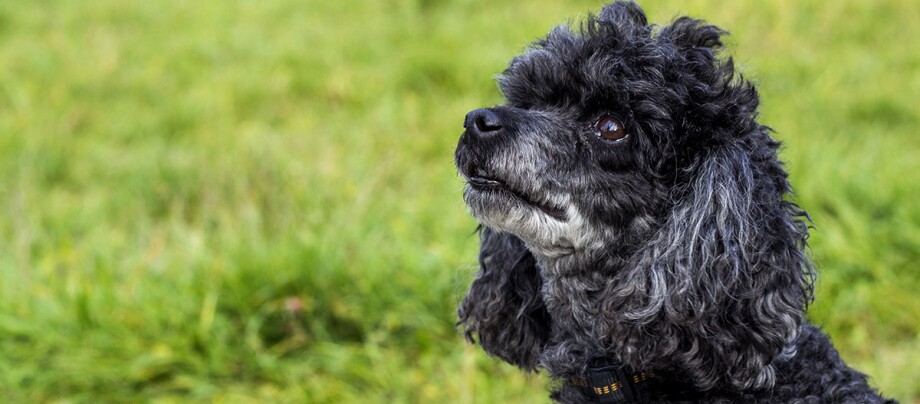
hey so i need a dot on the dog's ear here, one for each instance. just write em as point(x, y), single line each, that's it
point(504, 307)
point(623, 14)
point(722, 288)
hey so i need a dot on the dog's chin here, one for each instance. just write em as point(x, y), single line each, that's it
point(544, 228)
point(497, 195)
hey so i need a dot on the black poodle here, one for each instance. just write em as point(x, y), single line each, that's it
point(637, 242)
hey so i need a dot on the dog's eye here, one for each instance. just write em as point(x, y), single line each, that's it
point(610, 128)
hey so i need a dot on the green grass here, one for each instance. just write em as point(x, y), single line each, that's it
point(255, 201)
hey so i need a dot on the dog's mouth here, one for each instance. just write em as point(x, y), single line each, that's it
point(488, 184)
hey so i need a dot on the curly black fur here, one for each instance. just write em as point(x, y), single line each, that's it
point(672, 250)
point(506, 293)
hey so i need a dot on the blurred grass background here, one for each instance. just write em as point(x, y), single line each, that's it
point(255, 201)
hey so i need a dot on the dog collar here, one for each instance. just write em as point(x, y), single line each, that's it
point(614, 384)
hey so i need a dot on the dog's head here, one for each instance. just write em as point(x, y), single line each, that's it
point(602, 130)
point(636, 148)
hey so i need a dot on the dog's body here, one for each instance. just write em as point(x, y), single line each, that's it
point(636, 242)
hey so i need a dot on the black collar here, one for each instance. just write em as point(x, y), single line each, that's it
point(615, 384)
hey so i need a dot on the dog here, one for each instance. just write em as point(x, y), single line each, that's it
point(637, 240)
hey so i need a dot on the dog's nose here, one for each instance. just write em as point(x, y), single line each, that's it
point(481, 122)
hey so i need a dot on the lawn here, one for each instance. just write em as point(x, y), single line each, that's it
point(255, 201)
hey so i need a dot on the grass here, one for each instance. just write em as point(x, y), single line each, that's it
point(255, 201)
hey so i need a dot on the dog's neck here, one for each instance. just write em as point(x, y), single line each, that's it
point(606, 256)
point(573, 288)
point(605, 248)
point(572, 285)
